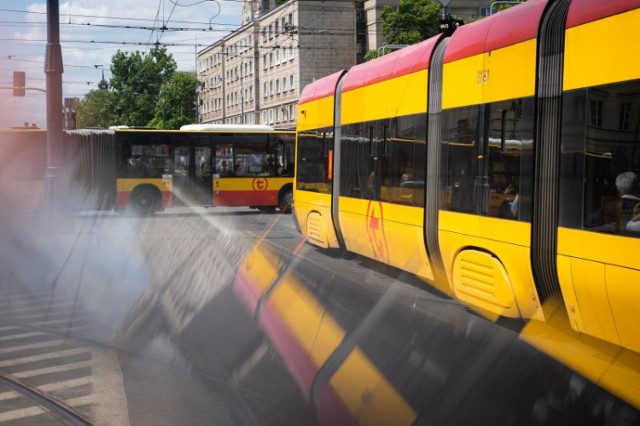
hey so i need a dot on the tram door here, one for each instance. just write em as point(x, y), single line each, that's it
point(192, 175)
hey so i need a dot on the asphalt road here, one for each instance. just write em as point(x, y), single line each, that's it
point(137, 321)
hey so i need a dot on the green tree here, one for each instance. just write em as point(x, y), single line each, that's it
point(372, 54)
point(176, 103)
point(136, 82)
point(412, 21)
point(95, 110)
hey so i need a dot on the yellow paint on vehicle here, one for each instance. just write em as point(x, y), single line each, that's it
point(248, 183)
point(623, 289)
point(507, 240)
point(315, 114)
point(591, 294)
point(404, 95)
point(600, 247)
point(479, 279)
point(310, 207)
point(488, 77)
point(303, 316)
point(603, 51)
point(260, 269)
point(369, 230)
point(367, 393)
point(615, 369)
point(128, 184)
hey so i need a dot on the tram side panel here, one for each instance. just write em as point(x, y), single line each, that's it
point(599, 234)
point(383, 148)
point(487, 163)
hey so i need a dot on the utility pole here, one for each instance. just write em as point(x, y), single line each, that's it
point(55, 188)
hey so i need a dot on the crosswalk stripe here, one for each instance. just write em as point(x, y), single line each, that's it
point(21, 413)
point(54, 369)
point(21, 335)
point(38, 345)
point(41, 357)
point(8, 395)
point(65, 384)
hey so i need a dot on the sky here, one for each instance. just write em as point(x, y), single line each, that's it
point(91, 32)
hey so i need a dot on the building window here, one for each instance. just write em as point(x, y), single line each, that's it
point(271, 60)
point(277, 57)
point(595, 113)
point(625, 111)
point(271, 87)
point(278, 86)
point(284, 84)
point(291, 53)
point(291, 84)
point(264, 34)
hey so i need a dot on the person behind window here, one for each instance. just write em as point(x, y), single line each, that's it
point(627, 186)
point(634, 223)
point(621, 211)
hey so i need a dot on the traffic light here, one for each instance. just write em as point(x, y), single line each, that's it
point(18, 83)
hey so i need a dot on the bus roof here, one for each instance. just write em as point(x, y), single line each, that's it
point(226, 127)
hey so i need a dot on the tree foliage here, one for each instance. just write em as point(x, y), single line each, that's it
point(372, 54)
point(95, 110)
point(176, 102)
point(136, 82)
point(412, 21)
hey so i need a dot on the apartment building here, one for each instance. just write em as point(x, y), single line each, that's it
point(255, 74)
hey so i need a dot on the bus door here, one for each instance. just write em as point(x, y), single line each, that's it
point(223, 176)
point(181, 180)
point(202, 176)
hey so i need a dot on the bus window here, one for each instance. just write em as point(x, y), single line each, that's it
point(251, 160)
point(146, 161)
point(224, 160)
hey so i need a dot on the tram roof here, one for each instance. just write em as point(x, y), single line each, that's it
point(583, 11)
point(321, 88)
point(407, 60)
point(505, 28)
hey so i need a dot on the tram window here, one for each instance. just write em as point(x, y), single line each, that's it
point(315, 149)
point(402, 171)
point(461, 157)
point(358, 162)
point(601, 159)
point(510, 156)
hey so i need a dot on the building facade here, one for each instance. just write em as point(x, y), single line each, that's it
point(255, 74)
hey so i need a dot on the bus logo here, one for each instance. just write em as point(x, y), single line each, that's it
point(259, 184)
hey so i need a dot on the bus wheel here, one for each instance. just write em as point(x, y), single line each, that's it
point(285, 203)
point(145, 200)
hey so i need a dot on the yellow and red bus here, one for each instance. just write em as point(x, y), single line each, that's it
point(500, 163)
point(208, 165)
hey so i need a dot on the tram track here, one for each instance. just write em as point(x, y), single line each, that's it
point(45, 401)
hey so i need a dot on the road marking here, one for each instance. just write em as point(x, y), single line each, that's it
point(33, 346)
point(22, 413)
point(21, 335)
point(42, 357)
point(55, 369)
